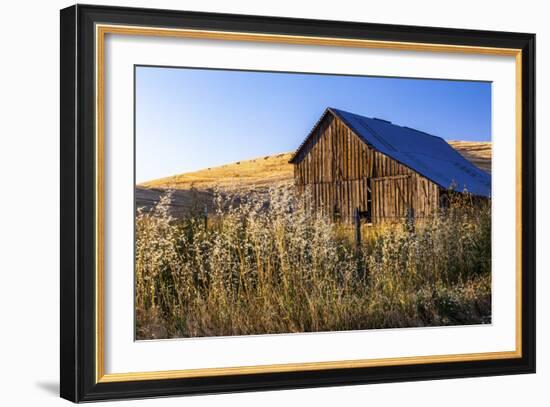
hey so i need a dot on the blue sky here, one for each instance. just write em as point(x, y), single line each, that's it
point(189, 119)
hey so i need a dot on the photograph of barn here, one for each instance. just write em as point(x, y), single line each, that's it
point(350, 163)
point(259, 210)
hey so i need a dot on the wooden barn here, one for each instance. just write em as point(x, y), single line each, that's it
point(353, 166)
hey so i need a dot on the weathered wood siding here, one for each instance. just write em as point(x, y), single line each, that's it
point(340, 172)
point(395, 195)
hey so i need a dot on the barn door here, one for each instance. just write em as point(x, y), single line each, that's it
point(391, 197)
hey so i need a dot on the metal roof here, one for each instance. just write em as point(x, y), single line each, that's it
point(430, 156)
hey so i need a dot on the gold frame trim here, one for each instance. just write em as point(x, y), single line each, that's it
point(103, 29)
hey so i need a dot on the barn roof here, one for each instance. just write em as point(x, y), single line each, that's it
point(430, 156)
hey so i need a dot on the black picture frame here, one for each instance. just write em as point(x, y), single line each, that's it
point(78, 209)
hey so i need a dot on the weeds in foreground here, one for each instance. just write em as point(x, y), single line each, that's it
point(268, 265)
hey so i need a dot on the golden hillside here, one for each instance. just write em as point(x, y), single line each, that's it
point(478, 152)
point(260, 172)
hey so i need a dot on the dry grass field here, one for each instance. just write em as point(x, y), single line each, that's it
point(279, 268)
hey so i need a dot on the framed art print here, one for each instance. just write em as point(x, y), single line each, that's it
point(253, 203)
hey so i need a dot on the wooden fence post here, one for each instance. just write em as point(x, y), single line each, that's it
point(205, 217)
point(410, 219)
point(357, 219)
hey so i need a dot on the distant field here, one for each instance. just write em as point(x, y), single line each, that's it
point(479, 153)
point(259, 172)
point(196, 188)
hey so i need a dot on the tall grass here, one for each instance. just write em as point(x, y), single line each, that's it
point(269, 265)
